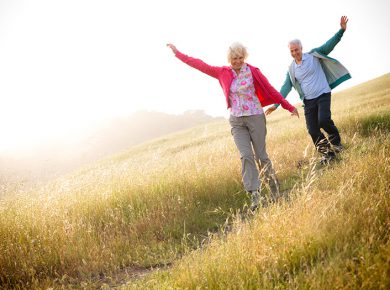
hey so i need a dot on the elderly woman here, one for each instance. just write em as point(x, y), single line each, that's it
point(247, 92)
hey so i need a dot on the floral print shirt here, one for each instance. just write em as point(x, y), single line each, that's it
point(243, 99)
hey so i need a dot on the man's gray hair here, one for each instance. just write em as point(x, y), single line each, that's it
point(295, 41)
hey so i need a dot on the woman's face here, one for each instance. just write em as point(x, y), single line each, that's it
point(237, 61)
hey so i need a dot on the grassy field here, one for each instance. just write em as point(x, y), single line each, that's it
point(170, 214)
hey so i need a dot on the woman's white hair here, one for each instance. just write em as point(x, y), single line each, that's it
point(235, 49)
point(295, 41)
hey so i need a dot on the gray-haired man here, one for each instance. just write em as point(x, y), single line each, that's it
point(313, 75)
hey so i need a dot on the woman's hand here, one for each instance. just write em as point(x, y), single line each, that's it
point(171, 46)
point(273, 108)
point(295, 113)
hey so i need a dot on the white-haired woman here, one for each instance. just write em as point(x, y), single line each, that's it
point(246, 91)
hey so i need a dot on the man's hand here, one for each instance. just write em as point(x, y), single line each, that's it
point(171, 46)
point(343, 22)
point(270, 110)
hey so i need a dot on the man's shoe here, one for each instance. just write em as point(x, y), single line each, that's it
point(326, 159)
point(338, 148)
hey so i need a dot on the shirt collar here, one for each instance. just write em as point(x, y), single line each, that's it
point(242, 69)
point(304, 57)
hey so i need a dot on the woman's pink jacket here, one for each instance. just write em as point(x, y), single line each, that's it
point(264, 90)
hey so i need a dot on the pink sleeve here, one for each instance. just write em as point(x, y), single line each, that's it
point(212, 71)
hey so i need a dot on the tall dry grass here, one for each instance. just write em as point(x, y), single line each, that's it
point(139, 209)
point(155, 203)
point(333, 234)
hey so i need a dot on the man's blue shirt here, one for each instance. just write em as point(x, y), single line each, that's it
point(311, 77)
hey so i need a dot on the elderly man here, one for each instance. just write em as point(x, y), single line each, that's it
point(313, 75)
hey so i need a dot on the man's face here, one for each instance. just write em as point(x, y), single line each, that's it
point(296, 51)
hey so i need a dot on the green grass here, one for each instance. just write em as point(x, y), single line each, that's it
point(166, 205)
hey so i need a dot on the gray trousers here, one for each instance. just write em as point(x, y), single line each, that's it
point(248, 132)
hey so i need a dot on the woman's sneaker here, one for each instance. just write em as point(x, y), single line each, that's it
point(255, 200)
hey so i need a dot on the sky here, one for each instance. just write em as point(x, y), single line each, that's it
point(68, 65)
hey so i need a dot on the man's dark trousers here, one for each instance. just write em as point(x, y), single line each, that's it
point(318, 116)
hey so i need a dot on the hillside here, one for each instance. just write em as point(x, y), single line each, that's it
point(41, 163)
point(171, 213)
